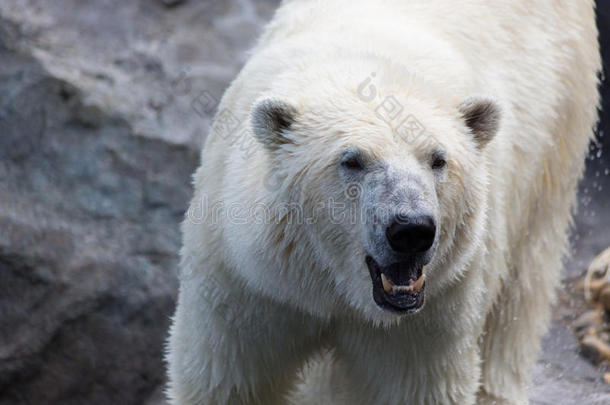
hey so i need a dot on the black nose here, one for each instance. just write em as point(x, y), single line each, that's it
point(411, 233)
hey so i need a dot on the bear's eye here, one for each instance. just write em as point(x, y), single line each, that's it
point(439, 161)
point(352, 160)
point(352, 163)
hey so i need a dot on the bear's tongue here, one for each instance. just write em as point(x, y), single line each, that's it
point(403, 275)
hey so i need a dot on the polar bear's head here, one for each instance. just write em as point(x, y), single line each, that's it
point(393, 203)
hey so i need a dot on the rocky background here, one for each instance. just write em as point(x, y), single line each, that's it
point(103, 107)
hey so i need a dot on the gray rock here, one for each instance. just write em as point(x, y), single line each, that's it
point(89, 216)
point(172, 3)
point(98, 142)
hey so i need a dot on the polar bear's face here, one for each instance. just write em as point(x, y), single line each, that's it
point(396, 216)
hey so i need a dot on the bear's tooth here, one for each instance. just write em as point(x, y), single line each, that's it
point(419, 283)
point(387, 284)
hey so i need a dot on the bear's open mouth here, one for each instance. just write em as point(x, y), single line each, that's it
point(398, 287)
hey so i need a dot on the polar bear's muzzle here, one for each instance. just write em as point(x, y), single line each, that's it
point(399, 287)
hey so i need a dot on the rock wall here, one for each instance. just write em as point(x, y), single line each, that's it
point(103, 108)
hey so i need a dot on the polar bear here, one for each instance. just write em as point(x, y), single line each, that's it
point(382, 205)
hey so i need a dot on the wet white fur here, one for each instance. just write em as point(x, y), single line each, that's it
point(274, 313)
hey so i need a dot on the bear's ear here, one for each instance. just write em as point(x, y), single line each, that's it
point(271, 119)
point(482, 116)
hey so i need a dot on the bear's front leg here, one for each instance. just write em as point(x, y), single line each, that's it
point(229, 346)
point(409, 364)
